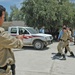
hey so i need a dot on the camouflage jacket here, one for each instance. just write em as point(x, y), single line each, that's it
point(8, 42)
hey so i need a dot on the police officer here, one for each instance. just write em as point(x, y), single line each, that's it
point(7, 42)
point(68, 40)
point(59, 39)
point(64, 43)
point(74, 36)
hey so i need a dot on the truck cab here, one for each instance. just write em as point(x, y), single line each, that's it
point(31, 37)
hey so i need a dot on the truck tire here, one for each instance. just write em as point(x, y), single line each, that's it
point(38, 44)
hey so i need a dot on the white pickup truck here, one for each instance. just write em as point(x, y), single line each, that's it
point(31, 37)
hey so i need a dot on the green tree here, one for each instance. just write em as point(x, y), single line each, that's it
point(15, 14)
point(39, 12)
point(6, 16)
point(50, 13)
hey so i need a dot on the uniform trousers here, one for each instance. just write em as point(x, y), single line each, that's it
point(63, 44)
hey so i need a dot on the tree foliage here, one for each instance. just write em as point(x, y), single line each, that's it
point(50, 13)
point(15, 14)
point(6, 16)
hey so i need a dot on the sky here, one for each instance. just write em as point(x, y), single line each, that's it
point(8, 3)
point(73, 1)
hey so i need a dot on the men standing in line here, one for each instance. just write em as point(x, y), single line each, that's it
point(7, 42)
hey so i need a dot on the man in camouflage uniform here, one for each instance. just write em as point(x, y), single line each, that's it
point(7, 42)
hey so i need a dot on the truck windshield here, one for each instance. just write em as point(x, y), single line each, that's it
point(31, 30)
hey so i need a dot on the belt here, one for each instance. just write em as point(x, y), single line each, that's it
point(68, 39)
point(63, 40)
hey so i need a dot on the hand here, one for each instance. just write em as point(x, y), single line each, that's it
point(19, 37)
point(71, 40)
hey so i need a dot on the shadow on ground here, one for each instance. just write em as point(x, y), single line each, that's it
point(31, 48)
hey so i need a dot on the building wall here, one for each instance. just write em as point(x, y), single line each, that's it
point(13, 23)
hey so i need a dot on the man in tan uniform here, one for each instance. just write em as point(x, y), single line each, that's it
point(59, 39)
point(64, 43)
point(7, 42)
point(69, 39)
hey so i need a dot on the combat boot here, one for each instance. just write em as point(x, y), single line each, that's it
point(63, 57)
point(58, 54)
point(72, 54)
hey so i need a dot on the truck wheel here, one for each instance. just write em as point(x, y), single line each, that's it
point(38, 44)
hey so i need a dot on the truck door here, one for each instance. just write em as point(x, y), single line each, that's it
point(27, 36)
